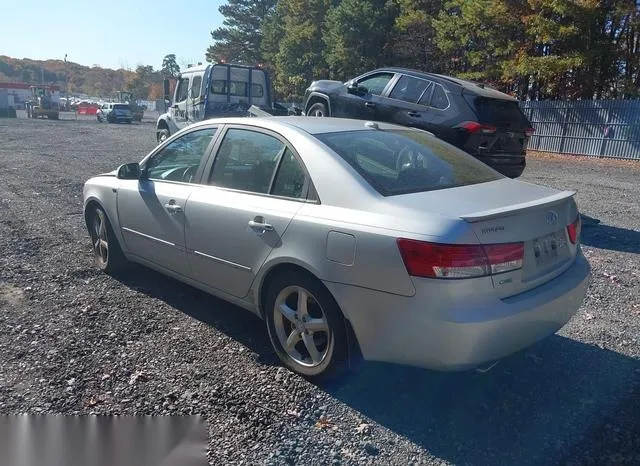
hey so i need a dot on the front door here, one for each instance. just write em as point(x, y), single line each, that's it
point(179, 108)
point(151, 210)
point(257, 184)
point(363, 104)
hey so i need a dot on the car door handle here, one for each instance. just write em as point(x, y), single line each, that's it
point(415, 114)
point(260, 226)
point(370, 104)
point(173, 208)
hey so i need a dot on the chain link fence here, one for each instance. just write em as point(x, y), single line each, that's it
point(601, 128)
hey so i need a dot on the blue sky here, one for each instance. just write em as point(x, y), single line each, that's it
point(112, 34)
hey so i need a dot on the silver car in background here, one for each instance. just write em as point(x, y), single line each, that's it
point(340, 232)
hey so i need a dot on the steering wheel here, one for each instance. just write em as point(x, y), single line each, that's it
point(188, 174)
point(407, 158)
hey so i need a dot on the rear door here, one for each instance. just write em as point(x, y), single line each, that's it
point(363, 105)
point(510, 137)
point(256, 185)
point(405, 105)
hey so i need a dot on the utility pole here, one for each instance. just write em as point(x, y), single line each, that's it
point(66, 83)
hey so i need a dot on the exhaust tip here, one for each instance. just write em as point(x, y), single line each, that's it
point(486, 367)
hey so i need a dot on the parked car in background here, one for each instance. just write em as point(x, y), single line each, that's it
point(483, 122)
point(114, 112)
point(340, 232)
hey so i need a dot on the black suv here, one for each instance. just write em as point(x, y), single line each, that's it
point(485, 123)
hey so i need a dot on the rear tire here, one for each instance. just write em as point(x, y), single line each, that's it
point(106, 251)
point(319, 109)
point(306, 327)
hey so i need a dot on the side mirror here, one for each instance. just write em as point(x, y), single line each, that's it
point(352, 87)
point(129, 171)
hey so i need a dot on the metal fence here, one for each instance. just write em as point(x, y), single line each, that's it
point(601, 128)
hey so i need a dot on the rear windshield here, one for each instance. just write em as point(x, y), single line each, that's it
point(407, 161)
point(499, 112)
point(121, 107)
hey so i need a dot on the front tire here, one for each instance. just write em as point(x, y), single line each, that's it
point(106, 250)
point(306, 327)
point(319, 109)
point(162, 135)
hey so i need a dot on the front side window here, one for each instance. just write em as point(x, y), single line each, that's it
point(180, 159)
point(183, 90)
point(405, 161)
point(246, 161)
point(195, 87)
point(409, 89)
point(375, 84)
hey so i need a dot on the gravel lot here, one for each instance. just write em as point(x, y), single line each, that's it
point(76, 341)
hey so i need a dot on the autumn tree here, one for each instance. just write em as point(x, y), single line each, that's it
point(140, 84)
point(240, 37)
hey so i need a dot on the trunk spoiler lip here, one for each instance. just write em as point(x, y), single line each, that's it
point(516, 208)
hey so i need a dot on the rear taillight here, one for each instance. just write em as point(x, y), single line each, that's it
point(529, 132)
point(474, 127)
point(573, 229)
point(433, 260)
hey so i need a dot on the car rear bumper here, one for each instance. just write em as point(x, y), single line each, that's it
point(456, 325)
point(511, 166)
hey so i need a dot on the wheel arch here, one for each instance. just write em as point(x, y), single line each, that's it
point(288, 266)
point(318, 97)
point(93, 202)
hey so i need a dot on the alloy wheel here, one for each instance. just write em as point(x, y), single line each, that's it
point(301, 326)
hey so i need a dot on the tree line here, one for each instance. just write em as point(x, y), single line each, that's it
point(532, 49)
point(144, 82)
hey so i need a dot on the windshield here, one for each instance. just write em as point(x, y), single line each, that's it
point(407, 161)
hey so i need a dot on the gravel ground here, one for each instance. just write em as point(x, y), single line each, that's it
point(76, 341)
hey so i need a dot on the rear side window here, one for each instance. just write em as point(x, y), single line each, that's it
point(409, 89)
point(498, 112)
point(246, 161)
point(439, 99)
point(407, 161)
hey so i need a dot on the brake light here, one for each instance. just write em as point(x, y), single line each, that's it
point(474, 127)
point(529, 132)
point(573, 229)
point(432, 260)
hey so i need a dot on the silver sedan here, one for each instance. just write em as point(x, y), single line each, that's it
point(346, 234)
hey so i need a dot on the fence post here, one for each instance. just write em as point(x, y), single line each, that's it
point(565, 119)
point(606, 125)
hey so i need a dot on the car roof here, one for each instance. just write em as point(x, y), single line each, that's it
point(307, 124)
point(470, 86)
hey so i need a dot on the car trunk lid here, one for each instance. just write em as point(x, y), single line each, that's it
point(508, 211)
